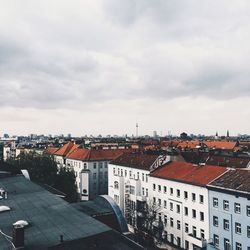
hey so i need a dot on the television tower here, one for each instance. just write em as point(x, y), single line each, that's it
point(137, 130)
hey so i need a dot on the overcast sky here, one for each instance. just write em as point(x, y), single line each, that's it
point(98, 67)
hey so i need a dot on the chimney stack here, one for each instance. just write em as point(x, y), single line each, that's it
point(18, 236)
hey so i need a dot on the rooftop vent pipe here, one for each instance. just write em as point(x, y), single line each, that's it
point(18, 236)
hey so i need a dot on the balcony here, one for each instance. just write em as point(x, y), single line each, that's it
point(197, 241)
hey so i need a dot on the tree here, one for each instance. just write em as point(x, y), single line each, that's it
point(43, 169)
point(66, 182)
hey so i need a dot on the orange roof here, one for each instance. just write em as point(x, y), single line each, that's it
point(96, 155)
point(189, 173)
point(188, 144)
point(51, 150)
point(221, 144)
point(66, 149)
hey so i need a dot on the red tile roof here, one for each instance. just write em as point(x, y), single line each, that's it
point(221, 144)
point(189, 173)
point(66, 149)
point(135, 160)
point(51, 150)
point(188, 144)
point(96, 155)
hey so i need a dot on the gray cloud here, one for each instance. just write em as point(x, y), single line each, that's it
point(80, 54)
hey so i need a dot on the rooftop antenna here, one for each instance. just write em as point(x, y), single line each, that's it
point(137, 129)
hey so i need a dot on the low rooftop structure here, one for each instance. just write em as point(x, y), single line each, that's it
point(52, 222)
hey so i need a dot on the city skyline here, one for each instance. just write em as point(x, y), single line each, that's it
point(100, 67)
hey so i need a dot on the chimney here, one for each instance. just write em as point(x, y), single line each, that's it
point(18, 236)
point(61, 238)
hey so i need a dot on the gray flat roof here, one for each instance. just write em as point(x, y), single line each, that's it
point(48, 215)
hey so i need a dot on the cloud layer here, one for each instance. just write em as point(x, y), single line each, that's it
point(89, 56)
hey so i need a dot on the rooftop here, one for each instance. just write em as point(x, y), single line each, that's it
point(237, 180)
point(189, 173)
point(135, 160)
point(49, 217)
point(95, 154)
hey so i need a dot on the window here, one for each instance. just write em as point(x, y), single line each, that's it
point(171, 222)
point(226, 244)
point(130, 174)
point(114, 171)
point(94, 164)
point(94, 175)
point(171, 191)
point(116, 185)
point(85, 165)
point(248, 210)
point(201, 216)
point(238, 246)
point(165, 219)
point(201, 199)
point(100, 164)
point(237, 228)
point(178, 224)
point(143, 191)
point(193, 197)
point(154, 200)
point(215, 221)
point(116, 198)
point(186, 211)
point(159, 188)
point(165, 204)
point(248, 231)
point(146, 192)
point(178, 193)
point(186, 228)
point(101, 175)
point(159, 216)
point(194, 232)
point(226, 224)
point(165, 189)
point(194, 213)
point(178, 241)
point(185, 194)
point(215, 202)
point(142, 177)
point(226, 205)
point(132, 190)
point(171, 206)
point(237, 208)
point(159, 202)
point(216, 240)
point(154, 187)
point(178, 208)
point(138, 175)
point(106, 164)
point(202, 234)
point(186, 244)
point(125, 173)
point(146, 178)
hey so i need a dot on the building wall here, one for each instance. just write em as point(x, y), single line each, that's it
point(98, 175)
point(233, 217)
point(173, 206)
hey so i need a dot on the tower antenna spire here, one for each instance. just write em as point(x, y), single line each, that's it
point(137, 129)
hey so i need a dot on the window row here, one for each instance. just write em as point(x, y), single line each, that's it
point(178, 193)
point(226, 226)
point(226, 243)
point(226, 206)
point(125, 173)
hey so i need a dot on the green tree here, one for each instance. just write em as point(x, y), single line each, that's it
point(66, 182)
point(43, 169)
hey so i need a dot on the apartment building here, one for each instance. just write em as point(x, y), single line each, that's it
point(180, 191)
point(128, 178)
point(229, 209)
point(176, 191)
